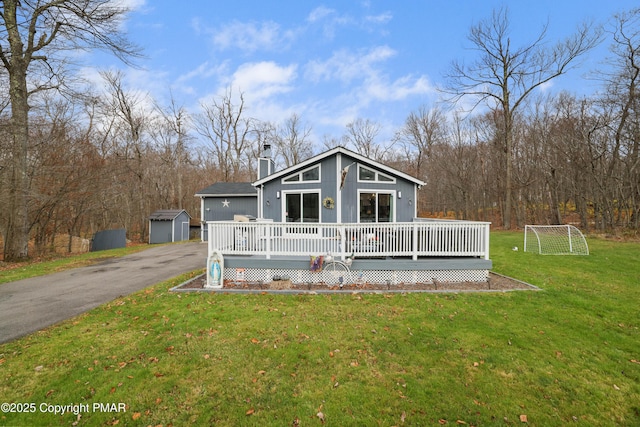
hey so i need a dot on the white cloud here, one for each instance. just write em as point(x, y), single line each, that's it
point(346, 65)
point(382, 18)
point(320, 13)
point(328, 20)
point(251, 36)
point(263, 79)
point(204, 71)
point(258, 82)
point(399, 89)
point(362, 86)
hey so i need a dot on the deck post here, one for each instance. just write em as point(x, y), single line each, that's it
point(269, 233)
point(414, 241)
point(486, 241)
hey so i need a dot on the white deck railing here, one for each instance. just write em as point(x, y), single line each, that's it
point(412, 239)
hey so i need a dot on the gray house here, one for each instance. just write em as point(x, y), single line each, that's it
point(347, 205)
point(337, 186)
point(169, 225)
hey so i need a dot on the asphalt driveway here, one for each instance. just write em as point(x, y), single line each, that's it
point(29, 305)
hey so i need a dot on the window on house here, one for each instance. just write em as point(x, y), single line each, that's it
point(366, 174)
point(302, 207)
point(376, 207)
point(311, 174)
point(308, 175)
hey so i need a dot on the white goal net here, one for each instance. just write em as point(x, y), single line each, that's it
point(554, 240)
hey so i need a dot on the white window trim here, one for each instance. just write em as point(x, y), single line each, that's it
point(300, 173)
point(283, 202)
point(394, 198)
point(377, 173)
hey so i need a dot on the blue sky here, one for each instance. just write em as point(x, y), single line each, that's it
point(332, 62)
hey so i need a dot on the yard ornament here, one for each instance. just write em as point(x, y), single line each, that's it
point(215, 272)
point(215, 266)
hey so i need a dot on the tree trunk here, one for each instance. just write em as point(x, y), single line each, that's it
point(16, 245)
point(508, 151)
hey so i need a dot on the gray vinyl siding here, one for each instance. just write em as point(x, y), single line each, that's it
point(237, 206)
point(160, 232)
point(271, 203)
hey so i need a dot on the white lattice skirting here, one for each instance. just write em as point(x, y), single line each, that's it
point(267, 275)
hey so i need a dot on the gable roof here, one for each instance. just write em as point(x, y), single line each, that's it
point(228, 189)
point(340, 150)
point(167, 214)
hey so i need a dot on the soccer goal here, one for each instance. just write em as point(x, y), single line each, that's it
point(554, 240)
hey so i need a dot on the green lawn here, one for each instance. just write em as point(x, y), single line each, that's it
point(569, 354)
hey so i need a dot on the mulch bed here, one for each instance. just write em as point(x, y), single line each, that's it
point(496, 282)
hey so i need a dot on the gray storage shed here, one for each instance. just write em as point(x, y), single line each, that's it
point(169, 225)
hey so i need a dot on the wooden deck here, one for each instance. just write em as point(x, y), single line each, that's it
point(423, 251)
point(421, 238)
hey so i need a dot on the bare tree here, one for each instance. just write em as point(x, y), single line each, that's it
point(330, 142)
point(172, 139)
point(129, 131)
point(421, 131)
point(292, 141)
point(225, 126)
point(503, 77)
point(34, 33)
point(361, 135)
point(623, 91)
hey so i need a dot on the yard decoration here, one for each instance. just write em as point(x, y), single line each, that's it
point(328, 203)
point(215, 270)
